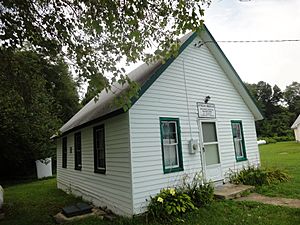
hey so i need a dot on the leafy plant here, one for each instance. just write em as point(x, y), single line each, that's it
point(169, 204)
point(284, 138)
point(173, 202)
point(275, 139)
point(200, 193)
point(258, 176)
point(269, 140)
point(95, 36)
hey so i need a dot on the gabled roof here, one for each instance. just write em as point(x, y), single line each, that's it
point(145, 75)
point(296, 123)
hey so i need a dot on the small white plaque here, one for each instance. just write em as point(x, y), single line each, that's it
point(206, 110)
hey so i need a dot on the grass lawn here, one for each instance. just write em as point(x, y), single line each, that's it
point(34, 203)
point(284, 155)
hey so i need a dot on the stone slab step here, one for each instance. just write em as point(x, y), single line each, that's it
point(231, 191)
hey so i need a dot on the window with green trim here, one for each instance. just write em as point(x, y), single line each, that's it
point(238, 140)
point(171, 144)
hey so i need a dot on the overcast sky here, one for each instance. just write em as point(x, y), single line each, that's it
point(275, 63)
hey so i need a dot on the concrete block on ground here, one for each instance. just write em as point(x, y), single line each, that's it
point(231, 191)
point(61, 218)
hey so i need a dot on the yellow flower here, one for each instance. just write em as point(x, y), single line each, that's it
point(160, 199)
point(172, 191)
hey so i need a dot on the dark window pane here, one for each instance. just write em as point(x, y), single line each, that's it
point(64, 152)
point(99, 148)
point(77, 145)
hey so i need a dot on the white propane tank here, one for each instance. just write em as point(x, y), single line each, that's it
point(43, 168)
point(261, 142)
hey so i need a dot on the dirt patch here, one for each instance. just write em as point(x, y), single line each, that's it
point(293, 203)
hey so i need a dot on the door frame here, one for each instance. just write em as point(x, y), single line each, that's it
point(202, 152)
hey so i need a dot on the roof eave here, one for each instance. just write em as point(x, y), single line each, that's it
point(218, 54)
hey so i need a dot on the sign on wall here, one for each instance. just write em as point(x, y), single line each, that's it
point(206, 110)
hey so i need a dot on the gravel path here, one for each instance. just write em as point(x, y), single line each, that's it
point(293, 203)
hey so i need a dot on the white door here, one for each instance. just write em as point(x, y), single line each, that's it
point(210, 151)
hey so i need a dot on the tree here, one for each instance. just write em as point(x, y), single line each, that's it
point(269, 99)
point(32, 99)
point(94, 36)
point(61, 86)
point(277, 118)
point(292, 98)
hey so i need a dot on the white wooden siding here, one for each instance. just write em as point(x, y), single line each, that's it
point(112, 189)
point(297, 133)
point(167, 98)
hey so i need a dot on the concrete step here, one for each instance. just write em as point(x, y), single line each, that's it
point(231, 191)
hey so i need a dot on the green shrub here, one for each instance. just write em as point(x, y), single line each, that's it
point(200, 193)
point(169, 204)
point(284, 138)
point(257, 176)
point(275, 139)
point(268, 140)
point(277, 175)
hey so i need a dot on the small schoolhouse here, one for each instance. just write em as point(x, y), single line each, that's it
point(193, 114)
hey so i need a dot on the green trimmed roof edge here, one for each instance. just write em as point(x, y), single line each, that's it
point(235, 73)
point(156, 75)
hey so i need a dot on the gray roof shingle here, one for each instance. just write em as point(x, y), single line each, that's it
point(105, 103)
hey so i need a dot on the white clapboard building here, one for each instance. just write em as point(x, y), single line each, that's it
point(296, 128)
point(193, 114)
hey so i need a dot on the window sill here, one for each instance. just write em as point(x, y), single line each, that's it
point(171, 170)
point(241, 159)
point(100, 171)
point(78, 168)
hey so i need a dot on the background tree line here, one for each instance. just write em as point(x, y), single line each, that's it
point(280, 109)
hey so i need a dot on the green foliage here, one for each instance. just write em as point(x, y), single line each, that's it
point(280, 109)
point(275, 139)
point(292, 97)
point(284, 138)
point(61, 86)
point(257, 176)
point(36, 96)
point(268, 140)
point(95, 36)
point(201, 193)
point(169, 204)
